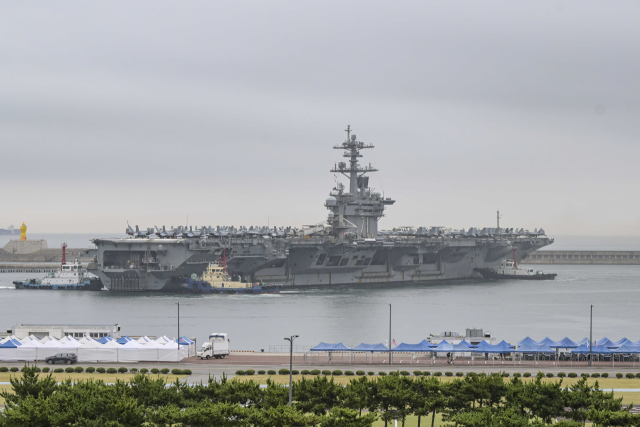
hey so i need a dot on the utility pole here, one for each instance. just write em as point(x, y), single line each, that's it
point(389, 334)
point(293, 337)
point(178, 331)
point(591, 338)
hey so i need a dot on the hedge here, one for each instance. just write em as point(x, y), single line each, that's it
point(595, 375)
point(186, 372)
point(572, 375)
point(101, 370)
point(618, 375)
point(549, 375)
point(360, 373)
point(437, 374)
point(382, 374)
point(271, 372)
point(283, 372)
point(164, 371)
point(155, 370)
point(240, 372)
point(113, 371)
point(404, 373)
point(326, 372)
point(459, 374)
point(315, 372)
point(177, 371)
point(517, 375)
point(133, 370)
point(336, 372)
point(371, 373)
point(249, 372)
point(122, 370)
point(583, 375)
point(630, 375)
point(90, 370)
point(349, 373)
point(526, 374)
point(305, 372)
point(58, 370)
point(417, 373)
point(561, 375)
point(4, 369)
point(79, 369)
point(295, 372)
point(45, 369)
point(261, 372)
point(142, 371)
point(426, 373)
point(604, 375)
point(14, 369)
point(69, 370)
point(505, 375)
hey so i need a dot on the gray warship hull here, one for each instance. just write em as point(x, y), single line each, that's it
point(345, 249)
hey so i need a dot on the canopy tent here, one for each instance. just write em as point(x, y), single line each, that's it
point(468, 344)
point(534, 348)
point(84, 340)
point(124, 340)
point(623, 341)
point(628, 348)
point(28, 351)
point(331, 347)
point(149, 352)
point(185, 341)
point(163, 340)
point(606, 342)
point(527, 340)
point(583, 341)
point(169, 352)
point(144, 340)
point(94, 351)
point(8, 349)
point(565, 343)
point(548, 342)
point(11, 344)
point(584, 349)
point(420, 347)
point(445, 347)
point(128, 352)
point(370, 347)
point(485, 347)
point(105, 340)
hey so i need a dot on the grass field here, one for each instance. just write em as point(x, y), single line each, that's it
point(107, 378)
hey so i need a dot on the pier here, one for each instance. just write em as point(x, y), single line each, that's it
point(583, 257)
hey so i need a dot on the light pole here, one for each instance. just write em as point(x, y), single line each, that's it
point(178, 331)
point(293, 337)
point(591, 338)
point(389, 334)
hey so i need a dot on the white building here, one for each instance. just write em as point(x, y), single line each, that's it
point(58, 331)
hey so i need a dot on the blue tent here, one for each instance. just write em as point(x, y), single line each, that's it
point(534, 348)
point(584, 349)
point(583, 341)
point(548, 342)
point(485, 347)
point(330, 347)
point(124, 340)
point(527, 340)
point(628, 348)
point(421, 346)
point(104, 340)
point(185, 341)
point(370, 347)
point(444, 347)
point(11, 344)
point(464, 342)
point(606, 342)
point(623, 341)
point(565, 343)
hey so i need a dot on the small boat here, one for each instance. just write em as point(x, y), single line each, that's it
point(509, 270)
point(70, 277)
point(216, 280)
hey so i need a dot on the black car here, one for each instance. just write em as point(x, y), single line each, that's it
point(67, 358)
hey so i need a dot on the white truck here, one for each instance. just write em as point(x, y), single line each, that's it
point(217, 347)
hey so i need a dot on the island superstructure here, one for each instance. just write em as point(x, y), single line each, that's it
point(345, 249)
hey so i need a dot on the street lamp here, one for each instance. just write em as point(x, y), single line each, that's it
point(178, 331)
point(293, 337)
point(389, 334)
point(591, 338)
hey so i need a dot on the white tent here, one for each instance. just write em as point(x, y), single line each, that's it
point(149, 352)
point(163, 340)
point(50, 348)
point(93, 351)
point(169, 352)
point(128, 352)
point(47, 338)
point(85, 340)
point(29, 351)
point(144, 340)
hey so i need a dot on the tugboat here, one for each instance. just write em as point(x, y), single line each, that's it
point(509, 270)
point(216, 280)
point(70, 277)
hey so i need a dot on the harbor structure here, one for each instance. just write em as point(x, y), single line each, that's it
point(347, 248)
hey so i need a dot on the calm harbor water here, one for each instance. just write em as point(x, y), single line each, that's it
point(509, 309)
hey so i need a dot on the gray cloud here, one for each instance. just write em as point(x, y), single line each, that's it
point(228, 111)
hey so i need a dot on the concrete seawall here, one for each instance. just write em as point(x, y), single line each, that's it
point(584, 257)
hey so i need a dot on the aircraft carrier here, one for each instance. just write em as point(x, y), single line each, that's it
point(346, 249)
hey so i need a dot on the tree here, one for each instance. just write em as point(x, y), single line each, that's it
point(29, 384)
point(343, 417)
point(427, 398)
point(318, 395)
point(274, 395)
point(543, 400)
point(395, 394)
point(358, 394)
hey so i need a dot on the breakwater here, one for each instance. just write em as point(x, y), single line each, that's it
point(584, 257)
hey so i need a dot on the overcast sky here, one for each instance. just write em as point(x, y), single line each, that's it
point(227, 112)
